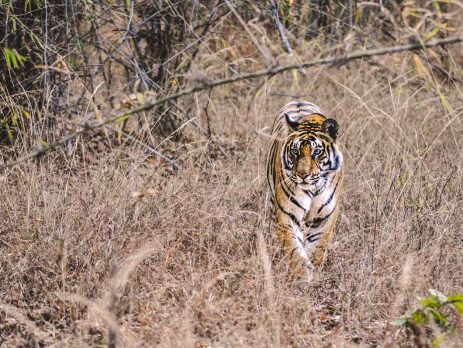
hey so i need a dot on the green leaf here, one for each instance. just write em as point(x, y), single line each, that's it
point(14, 20)
point(9, 133)
point(22, 58)
point(455, 298)
point(121, 118)
point(419, 317)
point(35, 38)
point(13, 58)
point(7, 54)
point(437, 8)
point(459, 307)
point(431, 34)
point(439, 318)
point(430, 302)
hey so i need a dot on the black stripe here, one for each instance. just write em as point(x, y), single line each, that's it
point(320, 190)
point(283, 183)
point(285, 159)
point(329, 199)
point(300, 111)
point(300, 103)
point(328, 157)
point(327, 148)
point(319, 220)
point(336, 162)
point(270, 176)
point(289, 195)
point(294, 236)
point(311, 238)
point(323, 136)
point(329, 214)
point(292, 252)
point(333, 161)
point(273, 151)
point(315, 222)
point(289, 214)
point(272, 171)
point(271, 166)
point(309, 193)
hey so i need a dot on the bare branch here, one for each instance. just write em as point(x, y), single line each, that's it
point(150, 150)
point(281, 30)
point(264, 72)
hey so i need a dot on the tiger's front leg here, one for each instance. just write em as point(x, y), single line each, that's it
point(318, 236)
point(292, 239)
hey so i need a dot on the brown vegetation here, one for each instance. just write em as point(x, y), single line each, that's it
point(104, 243)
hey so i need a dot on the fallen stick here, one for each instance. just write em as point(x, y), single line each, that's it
point(210, 84)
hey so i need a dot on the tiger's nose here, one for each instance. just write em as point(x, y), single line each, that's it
point(303, 175)
point(304, 169)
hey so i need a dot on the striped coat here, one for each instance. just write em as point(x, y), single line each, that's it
point(304, 172)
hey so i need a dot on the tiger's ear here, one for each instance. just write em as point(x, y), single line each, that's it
point(294, 125)
point(330, 127)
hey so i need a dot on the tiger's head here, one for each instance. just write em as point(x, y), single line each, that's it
point(310, 152)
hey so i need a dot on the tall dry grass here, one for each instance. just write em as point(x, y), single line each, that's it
point(195, 263)
point(103, 244)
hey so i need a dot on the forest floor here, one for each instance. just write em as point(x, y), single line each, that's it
point(180, 258)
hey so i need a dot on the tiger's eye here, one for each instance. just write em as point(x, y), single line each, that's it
point(317, 152)
point(294, 151)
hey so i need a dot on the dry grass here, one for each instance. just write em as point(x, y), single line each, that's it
point(193, 263)
point(100, 245)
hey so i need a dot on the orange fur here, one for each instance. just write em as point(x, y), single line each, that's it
point(304, 170)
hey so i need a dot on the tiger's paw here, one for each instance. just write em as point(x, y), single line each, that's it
point(304, 273)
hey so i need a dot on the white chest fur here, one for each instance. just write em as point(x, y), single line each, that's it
point(322, 204)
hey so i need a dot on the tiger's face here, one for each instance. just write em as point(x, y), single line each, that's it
point(311, 153)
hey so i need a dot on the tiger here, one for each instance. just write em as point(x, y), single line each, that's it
point(305, 176)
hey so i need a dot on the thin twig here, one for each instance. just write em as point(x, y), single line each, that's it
point(209, 21)
point(281, 30)
point(278, 94)
point(129, 23)
point(148, 148)
point(268, 58)
point(264, 72)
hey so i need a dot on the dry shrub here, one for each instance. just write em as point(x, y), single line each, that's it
point(121, 249)
point(205, 282)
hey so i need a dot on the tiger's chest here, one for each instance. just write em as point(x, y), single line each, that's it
point(319, 206)
point(323, 205)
